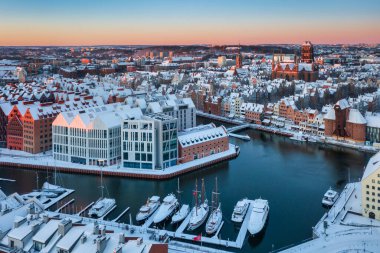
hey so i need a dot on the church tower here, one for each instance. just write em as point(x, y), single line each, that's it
point(239, 59)
point(307, 52)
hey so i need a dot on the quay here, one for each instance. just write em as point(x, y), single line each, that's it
point(47, 163)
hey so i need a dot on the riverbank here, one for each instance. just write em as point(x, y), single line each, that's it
point(289, 133)
point(23, 160)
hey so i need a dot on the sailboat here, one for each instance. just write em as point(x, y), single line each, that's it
point(201, 209)
point(215, 220)
point(183, 211)
point(102, 205)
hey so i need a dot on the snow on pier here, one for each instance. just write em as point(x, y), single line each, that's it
point(121, 215)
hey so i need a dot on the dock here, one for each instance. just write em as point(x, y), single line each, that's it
point(149, 221)
point(121, 215)
point(107, 213)
point(86, 208)
point(64, 205)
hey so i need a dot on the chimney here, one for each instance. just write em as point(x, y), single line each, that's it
point(96, 228)
point(64, 226)
point(83, 239)
point(101, 244)
point(118, 250)
point(121, 238)
point(18, 221)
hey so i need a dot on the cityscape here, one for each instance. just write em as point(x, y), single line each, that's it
point(189, 126)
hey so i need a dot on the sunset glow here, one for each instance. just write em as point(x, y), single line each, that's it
point(88, 22)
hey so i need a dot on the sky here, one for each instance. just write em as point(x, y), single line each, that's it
point(180, 22)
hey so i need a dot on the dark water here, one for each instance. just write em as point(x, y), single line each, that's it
point(292, 176)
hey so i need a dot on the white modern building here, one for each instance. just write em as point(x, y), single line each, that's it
point(149, 142)
point(91, 136)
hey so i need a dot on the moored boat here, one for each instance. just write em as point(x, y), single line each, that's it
point(214, 221)
point(148, 209)
point(259, 215)
point(101, 207)
point(330, 197)
point(201, 209)
point(167, 208)
point(240, 210)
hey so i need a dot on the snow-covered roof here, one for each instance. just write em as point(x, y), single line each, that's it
point(330, 114)
point(46, 232)
point(356, 117)
point(373, 165)
point(201, 134)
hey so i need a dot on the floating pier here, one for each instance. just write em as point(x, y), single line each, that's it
point(66, 204)
point(107, 213)
point(121, 215)
point(86, 208)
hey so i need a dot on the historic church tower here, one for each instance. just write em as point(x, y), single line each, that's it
point(307, 52)
point(239, 60)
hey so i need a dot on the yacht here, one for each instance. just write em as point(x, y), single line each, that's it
point(46, 187)
point(148, 209)
point(201, 209)
point(329, 198)
point(168, 207)
point(240, 210)
point(101, 207)
point(181, 214)
point(259, 215)
point(215, 220)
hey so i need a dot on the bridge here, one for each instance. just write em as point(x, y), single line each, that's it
point(238, 128)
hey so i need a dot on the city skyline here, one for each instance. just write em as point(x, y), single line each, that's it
point(147, 22)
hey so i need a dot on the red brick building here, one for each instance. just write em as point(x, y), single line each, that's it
point(201, 141)
point(213, 105)
point(27, 125)
point(289, 67)
point(343, 122)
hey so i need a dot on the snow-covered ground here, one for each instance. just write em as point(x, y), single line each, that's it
point(21, 157)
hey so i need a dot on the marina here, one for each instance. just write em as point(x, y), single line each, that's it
point(327, 169)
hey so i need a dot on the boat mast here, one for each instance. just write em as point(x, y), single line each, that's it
point(101, 179)
point(203, 190)
point(179, 192)
point(196, 196)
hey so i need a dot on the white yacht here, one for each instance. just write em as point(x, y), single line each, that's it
point(200, 211)
point(240, 210)
point(168, 207)
point(215, 220)
point(259, 215)
point(181, 214)
point(330, 197)
point(46, 187)
point(148, 209)
point(101, 207)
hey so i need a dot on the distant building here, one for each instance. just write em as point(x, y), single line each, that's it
point(289, 67)
point(201, 141)
point(373, 128)
point(370, 185)
point(239, 60)
point(221, 61)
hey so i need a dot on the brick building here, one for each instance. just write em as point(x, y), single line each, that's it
point(343, 122)
point(201, 141)
point(213, 105)
point(27, 125)
point(290, 67)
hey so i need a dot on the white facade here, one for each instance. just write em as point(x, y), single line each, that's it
point(91, 136)
point(149, 142)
